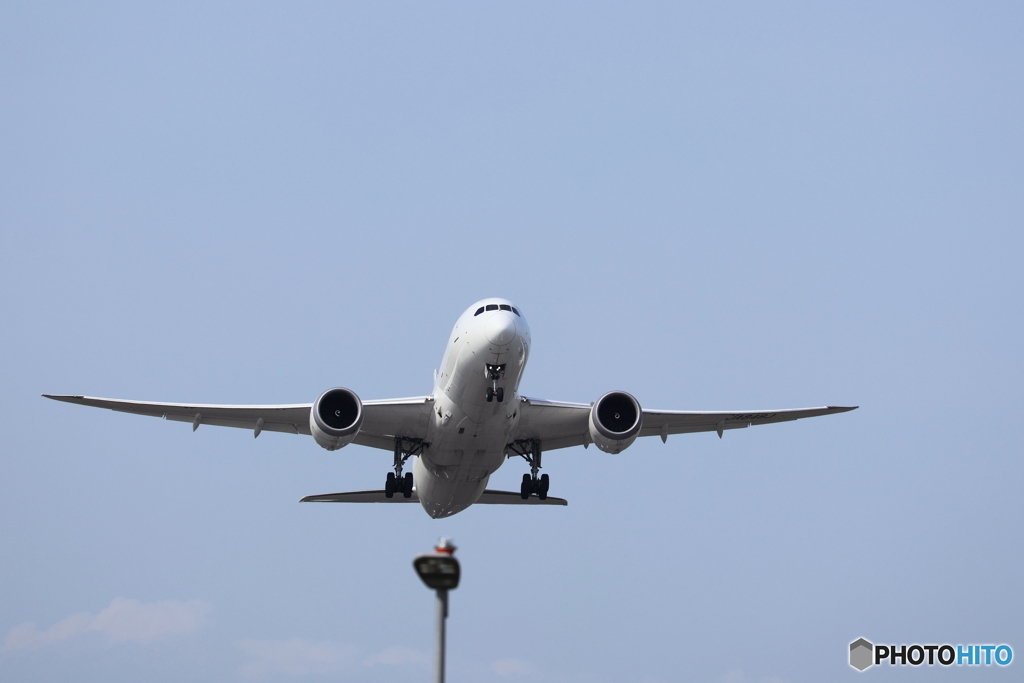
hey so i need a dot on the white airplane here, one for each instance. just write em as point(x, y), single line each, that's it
point(470, 424)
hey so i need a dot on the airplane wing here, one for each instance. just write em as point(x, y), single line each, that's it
point(557, 424)
point(666, 422)
point(561, 425)
point(382, 419)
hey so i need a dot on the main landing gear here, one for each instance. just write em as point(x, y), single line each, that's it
point(396, 481)
point(529, 450)
point(533, 485)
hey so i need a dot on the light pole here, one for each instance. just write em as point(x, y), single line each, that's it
point(440, 571)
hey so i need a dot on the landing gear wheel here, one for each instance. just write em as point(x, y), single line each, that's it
point(490, 394)
point(500, 393)
point(529, 450)
point(389, 486)
point(407, 485)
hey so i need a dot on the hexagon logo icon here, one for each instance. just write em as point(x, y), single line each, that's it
point(861, 654)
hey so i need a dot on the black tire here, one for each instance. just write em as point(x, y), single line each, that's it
point(500, 393)
point(542, 491)
point(527, 487)
point(389, 486)
point(407, 488)
point(489, 394)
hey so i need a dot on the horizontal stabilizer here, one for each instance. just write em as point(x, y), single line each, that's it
point(492, 497)
point(489, 497)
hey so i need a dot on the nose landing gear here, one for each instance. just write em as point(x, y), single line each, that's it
point(494, 373)
point(529, 450)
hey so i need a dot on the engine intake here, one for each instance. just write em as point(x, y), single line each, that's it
point(615, 421)
point(336, 418)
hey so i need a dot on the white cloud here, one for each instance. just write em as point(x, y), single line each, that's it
point(397, 655)
point(509, 668)
point(293, 657)
point(121, 622)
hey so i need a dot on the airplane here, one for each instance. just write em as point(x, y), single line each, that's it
point(473, 420)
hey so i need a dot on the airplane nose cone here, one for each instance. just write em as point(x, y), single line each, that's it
point(500, 329)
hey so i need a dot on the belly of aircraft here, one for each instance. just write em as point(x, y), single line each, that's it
point(453, 472)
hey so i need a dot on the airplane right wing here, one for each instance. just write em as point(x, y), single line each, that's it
point(383, 420)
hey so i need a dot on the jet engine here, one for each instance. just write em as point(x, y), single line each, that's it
point(336, 418)
point(615, 421)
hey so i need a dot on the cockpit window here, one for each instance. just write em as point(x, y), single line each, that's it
point(515, 311)
point(492, 307)
point(479, 311)
point(505, 307)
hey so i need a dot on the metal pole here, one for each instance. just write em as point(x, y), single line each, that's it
point(442, 614)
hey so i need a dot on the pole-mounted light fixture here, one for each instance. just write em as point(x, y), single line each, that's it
point(440, 571)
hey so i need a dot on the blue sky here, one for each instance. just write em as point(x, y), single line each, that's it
point(727, 206)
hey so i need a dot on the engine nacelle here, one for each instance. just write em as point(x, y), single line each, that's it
point(615, 421)
point(336, 418)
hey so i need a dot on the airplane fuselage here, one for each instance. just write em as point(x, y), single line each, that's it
point(475, 408)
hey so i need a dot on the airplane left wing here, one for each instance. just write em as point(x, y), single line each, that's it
point(556, 423)
point(665, 422)
point(562, 425)
point(382, 419)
